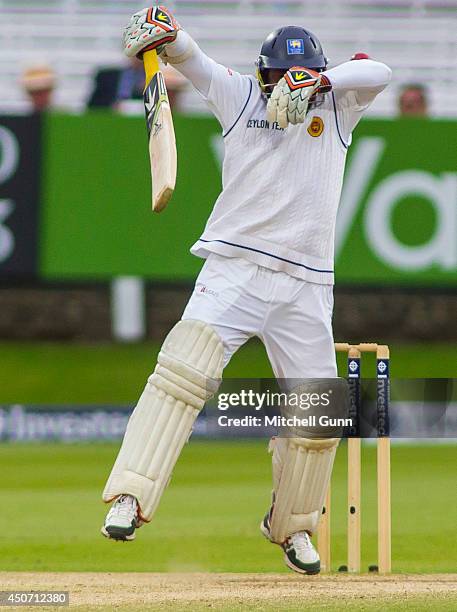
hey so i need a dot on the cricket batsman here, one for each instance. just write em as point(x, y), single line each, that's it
point(268, 248)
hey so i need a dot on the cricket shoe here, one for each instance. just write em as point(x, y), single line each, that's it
point(122, 519)
point(299, 552)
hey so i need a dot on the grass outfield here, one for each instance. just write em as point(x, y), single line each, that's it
point(84, 373)
point(209, 516)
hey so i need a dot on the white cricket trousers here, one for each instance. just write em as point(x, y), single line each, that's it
point(292, 317)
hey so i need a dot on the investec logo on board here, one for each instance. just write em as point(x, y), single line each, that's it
point(439, 190)
point(382, 371)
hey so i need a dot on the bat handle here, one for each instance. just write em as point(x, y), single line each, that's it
point(151, 65)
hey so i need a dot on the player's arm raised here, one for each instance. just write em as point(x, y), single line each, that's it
point(355, 85)
point(365, 77)
point(225, 90)
point(289, 101)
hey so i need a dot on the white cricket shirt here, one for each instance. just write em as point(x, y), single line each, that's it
point(280, 187)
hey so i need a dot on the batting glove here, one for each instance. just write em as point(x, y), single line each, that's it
point(289, 100)
point(151, 28)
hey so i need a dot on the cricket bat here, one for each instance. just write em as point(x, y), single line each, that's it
point(161, 134)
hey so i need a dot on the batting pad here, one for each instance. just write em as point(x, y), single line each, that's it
point(188, 373)
point(301, 474)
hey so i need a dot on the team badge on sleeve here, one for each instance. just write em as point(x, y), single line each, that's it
point(295, 46)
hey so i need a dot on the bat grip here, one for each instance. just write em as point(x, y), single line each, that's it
point(151, 65)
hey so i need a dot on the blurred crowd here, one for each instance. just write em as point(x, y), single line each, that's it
point(121, 88)
point(118, 88)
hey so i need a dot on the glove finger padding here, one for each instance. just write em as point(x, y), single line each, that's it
point(282, 118)
point(289, 100)
point(151, 28)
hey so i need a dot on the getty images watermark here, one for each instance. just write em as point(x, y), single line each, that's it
point(307, 409)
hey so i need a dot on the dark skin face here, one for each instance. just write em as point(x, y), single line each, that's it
point(271, 77)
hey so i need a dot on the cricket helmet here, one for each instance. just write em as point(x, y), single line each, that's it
point(290, 46)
